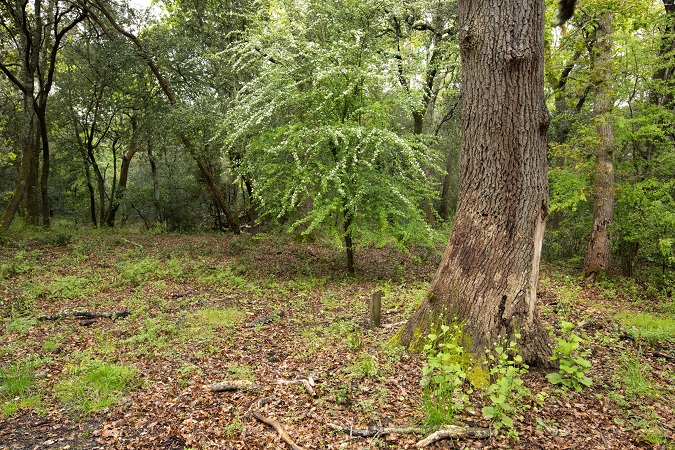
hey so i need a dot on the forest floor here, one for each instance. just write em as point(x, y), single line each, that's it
point(142, 381)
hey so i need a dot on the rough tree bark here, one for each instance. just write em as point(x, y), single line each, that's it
point(489, 272)
point(598, 256)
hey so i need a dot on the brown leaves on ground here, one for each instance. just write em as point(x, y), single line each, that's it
point(190, 298)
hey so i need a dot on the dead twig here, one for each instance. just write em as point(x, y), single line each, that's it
point(308, 383)
point(277, 426)
point(454, 431)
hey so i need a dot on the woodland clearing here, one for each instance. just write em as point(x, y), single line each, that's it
point(142, 381)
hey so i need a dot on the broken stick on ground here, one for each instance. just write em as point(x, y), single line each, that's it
point(277, 426)
point(454, 431)
point(87, 315)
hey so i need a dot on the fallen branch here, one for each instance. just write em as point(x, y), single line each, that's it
point(236, 385)
point(86, 315)
point(277, 426)
point(664, 355)
point(454, 431)
point(308, 383)
point(265, 319)
point(374, 431)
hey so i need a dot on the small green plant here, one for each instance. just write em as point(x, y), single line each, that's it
point(233, 428)
point(634, 376)
point(91, 385)
point(446, 391)
point(241, 372)
point(568, 295)
point(187, 371)
point(573, 365)
point(507, 391)
point(364, 366)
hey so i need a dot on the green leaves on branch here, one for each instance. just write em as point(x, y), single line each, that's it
point(318, 122)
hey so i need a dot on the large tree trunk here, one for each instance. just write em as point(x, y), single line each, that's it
point(598, 257)
point(488, 276)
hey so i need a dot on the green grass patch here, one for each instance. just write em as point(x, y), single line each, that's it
point(19, 325)
point(73, 287)
point(634, 377)
point(95, 384)
point(155, 334)
point(148, 269)
point(215, 317)
point(18, 387)
point(648, 328)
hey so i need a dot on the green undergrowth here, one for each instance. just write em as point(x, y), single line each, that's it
point(89, 385)
point(648, 328)
point(20, 387)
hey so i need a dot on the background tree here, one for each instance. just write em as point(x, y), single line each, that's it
point(316, 122)
point(36, 33)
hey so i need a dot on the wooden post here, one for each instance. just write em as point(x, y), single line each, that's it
point(375, 308)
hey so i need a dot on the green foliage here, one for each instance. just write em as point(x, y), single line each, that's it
point(573, 365)
point(241, 372)
point(19, 325)
point(507, 391)
point(648, 328)
point(146, 269)
point(91, 385)
point(443, 377)
point(73, 287)
point(364, 366)
point(18, 264)
point(317, 126)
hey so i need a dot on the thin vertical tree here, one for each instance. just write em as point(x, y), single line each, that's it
point(598, 256)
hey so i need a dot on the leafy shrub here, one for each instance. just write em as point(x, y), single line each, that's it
point(444, 378)
point(507, 391)
point(573, 365)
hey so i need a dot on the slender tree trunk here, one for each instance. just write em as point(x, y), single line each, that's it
point(155, 184)
point(598, 256)
point(90, 190)
point(44, 176)
point(489, 272)
point(349, 244)
point(118, 194)
point(28, 153)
